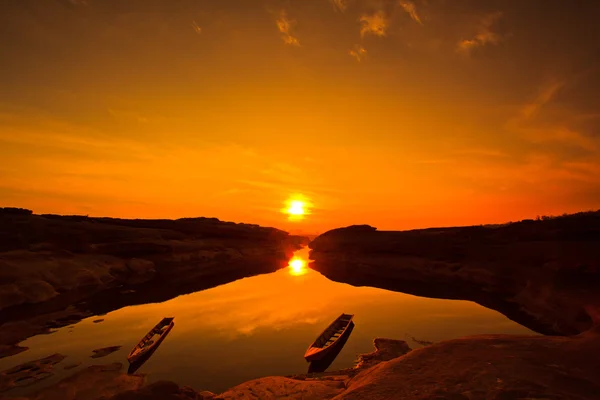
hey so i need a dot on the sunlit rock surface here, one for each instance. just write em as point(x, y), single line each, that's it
point(163, 390)
point(385, 350)
point(487, 367)
point(284, 388)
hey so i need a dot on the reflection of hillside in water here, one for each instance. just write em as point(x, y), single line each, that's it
point(324, 363)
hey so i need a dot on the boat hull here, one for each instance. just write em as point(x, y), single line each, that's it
point(134, 358)
point(315, 353)
point(324, 363)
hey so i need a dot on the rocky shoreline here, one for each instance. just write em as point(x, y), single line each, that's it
point(498, 367)
point(543, 274)
point(112, 382)
point(57, 270)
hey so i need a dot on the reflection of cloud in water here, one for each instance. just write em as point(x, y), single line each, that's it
point(281, 301)
point(274, 306)
point(275, 301)
point(277, 325)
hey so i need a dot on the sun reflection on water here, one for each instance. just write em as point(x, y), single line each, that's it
point(297, 266)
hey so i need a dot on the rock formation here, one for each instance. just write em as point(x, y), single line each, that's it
point(543, 274)
point(55, 270)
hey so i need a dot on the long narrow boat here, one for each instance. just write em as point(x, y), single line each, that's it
point(151, 340)
point(328, 338)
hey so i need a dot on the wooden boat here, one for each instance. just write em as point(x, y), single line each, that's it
point(151, 340)
point(329, 338)
point(325, 362)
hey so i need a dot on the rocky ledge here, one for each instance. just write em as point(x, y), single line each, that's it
point(492, 367)
point(56, 270)
point(543, 274)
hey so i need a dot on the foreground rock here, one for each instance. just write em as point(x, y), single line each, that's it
point(494, 367)
point(284, 388)
point(92, 383)
point(543, 274)
point(49, 263)
point(385, 350)
point(108, 379)
point(105, 351)
point(29, 373)
point(163, 391)
point(490, 367)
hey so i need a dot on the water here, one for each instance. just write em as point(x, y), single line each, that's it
point(257, 327)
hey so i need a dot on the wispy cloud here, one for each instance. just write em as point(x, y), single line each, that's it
point(485, 34)
point(411, 9)
point(545, 95)
point(532, 121)
point(234, 191)
point(561, 135)
point(358, 52)
point(196, 28)
point(482, 152)
point(375, 24)
point(285, 25)
point(340, 5)
point(54, 134)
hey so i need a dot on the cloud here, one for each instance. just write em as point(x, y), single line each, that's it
point(234, 191)
point(80, 2)
point(285, 27)
point(53, 134)
point(196, 28)
point(411, 9)
point(358, 52)
point(484, 36)
point(340, 5)
point(552, 126)
point(124, 115)
point(482, 152)
point(545, 95)
point(375, 24)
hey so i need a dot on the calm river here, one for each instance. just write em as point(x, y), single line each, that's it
point(257, 327)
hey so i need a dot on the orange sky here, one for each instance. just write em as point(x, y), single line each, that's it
point(394, 113)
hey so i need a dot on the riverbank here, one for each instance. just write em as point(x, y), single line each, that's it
point(494, 367)
point(542, 274)
point(56, 270)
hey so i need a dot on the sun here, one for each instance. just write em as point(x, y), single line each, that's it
point(296, 207)
point(297, 266)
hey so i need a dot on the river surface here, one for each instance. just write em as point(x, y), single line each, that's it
point(257, 327)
